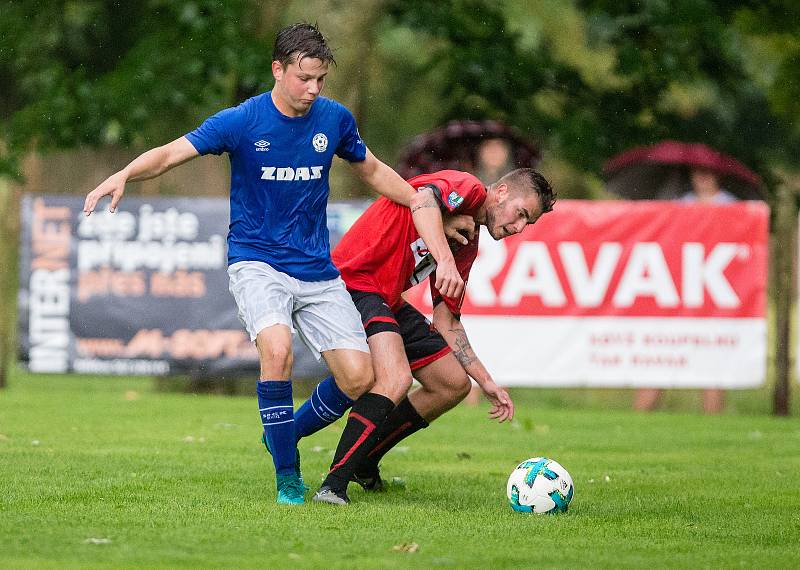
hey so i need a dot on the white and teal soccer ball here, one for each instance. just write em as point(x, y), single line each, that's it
point(540, 485)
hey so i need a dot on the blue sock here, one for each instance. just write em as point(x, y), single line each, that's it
point(326, 405)
point(277, 416)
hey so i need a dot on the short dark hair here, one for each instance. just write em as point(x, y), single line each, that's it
point(301, 40)
point(529, 180)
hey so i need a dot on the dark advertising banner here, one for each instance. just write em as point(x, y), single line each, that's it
point(141, 291)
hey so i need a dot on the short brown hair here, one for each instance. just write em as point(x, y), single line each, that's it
point(529, 180)
point(301, 40)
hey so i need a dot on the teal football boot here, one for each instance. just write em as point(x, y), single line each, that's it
point(297, 471)
point(290, 490)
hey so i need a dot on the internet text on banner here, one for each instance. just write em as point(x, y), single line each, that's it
point(615, 294)
point(141, 291)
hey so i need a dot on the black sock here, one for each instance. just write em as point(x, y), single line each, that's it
point(401, 423)
point(368, 413)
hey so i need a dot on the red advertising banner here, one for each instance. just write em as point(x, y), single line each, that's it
point(636, 293)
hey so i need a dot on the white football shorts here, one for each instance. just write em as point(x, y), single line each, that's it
point(321, 312)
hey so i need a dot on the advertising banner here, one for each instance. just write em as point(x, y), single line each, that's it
point(658, 294)
point(141, 291)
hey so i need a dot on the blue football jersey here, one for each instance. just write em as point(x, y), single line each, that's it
point(279, 180)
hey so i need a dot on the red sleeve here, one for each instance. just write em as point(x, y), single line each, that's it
point(456, 191)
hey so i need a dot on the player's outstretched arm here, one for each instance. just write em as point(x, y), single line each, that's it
point(147, 165)
point(426, 215)
point(456, 337)
point(384, 179)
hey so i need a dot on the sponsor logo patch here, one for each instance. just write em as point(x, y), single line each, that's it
point(454, 200)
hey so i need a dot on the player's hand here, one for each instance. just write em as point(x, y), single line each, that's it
point(459, 227)
point(502, 407)
point(113, 185)
point(448, 280)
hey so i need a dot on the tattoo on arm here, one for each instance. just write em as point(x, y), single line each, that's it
point(428, 201)
point(463, 350)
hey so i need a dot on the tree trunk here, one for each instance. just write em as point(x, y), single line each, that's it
point(784, 249)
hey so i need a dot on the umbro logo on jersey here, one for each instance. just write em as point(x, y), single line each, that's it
point(287, 173)
point(262, 145)
point(320, 142)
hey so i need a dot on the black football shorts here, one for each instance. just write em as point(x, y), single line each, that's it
point(422, 341)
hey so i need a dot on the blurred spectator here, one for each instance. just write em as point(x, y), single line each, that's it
point(493, 160)
point(705, 188)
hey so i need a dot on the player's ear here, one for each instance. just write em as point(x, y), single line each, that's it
point(277, 70)
point(502, 192)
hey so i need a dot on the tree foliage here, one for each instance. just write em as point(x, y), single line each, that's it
point(587, 79)
point(104, 72)
point(681, 70)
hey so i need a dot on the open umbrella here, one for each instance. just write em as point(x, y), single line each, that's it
point(454, 145)
point(661, 172)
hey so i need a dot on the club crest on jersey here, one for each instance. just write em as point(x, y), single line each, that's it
point(288, 174)
point(320, 142)
point(454, 199)
point(262, 145)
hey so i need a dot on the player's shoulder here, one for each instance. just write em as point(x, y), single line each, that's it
point(453, 176)
point(257, 104)
point(248, 110)
point(461, 177)
point(332, 107)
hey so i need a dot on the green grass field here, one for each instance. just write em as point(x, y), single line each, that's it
point(108, 473)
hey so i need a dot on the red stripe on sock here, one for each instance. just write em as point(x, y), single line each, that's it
point(392, 436)
point(369, 427)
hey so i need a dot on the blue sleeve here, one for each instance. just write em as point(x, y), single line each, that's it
point(219, 133)
point(351, 147)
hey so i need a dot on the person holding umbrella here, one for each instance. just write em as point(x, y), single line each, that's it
point(660, 172)
point(705, 189)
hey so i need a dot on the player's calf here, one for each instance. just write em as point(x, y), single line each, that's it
point(402, 422)
point(357, 439)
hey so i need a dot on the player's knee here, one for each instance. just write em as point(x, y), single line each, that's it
point(461, 387)
point(362, 381)
point(277, 356)
point(355, 381)
point(405, 382)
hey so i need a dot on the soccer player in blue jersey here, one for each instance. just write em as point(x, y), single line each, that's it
point(281, 145)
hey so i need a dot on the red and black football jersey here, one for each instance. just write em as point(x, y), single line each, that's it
point(383, 253)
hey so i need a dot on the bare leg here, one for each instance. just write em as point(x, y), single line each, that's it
point(352, 370)
point(646, 399)
point(713, 401)
point(392, 371)
point(275, 352)
point(444, 385)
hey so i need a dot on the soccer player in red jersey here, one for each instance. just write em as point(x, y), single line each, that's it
point(381, 256)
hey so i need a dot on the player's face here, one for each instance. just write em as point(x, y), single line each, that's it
point(299, 84)
point(511, 213)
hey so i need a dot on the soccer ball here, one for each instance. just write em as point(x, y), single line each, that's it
point(539, 485)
